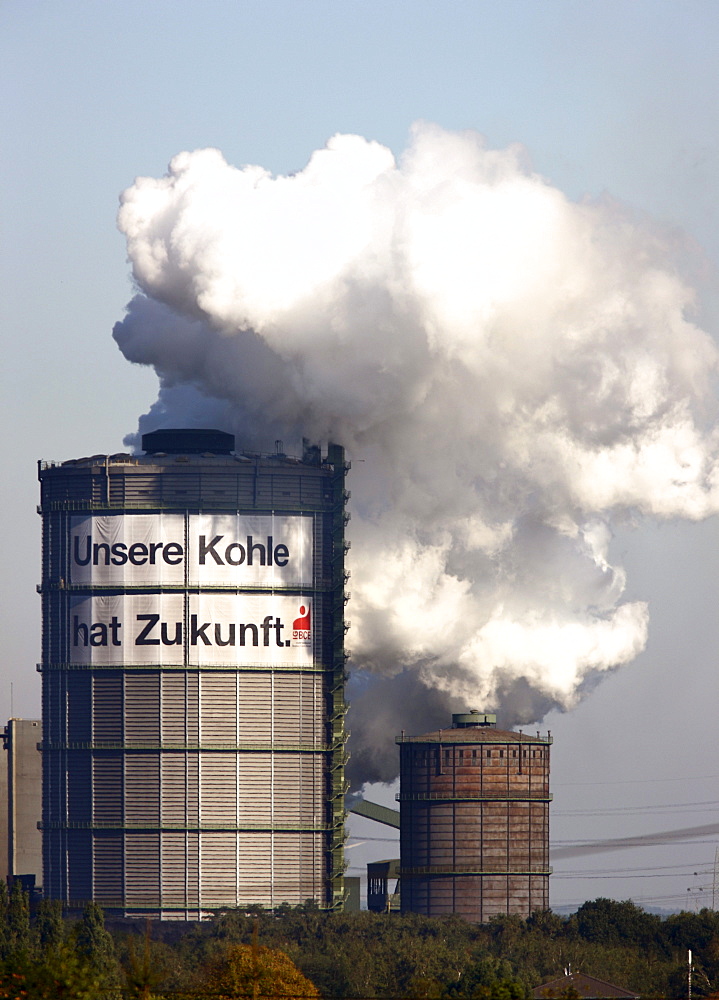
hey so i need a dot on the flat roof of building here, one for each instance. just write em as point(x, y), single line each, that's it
point(475, 734)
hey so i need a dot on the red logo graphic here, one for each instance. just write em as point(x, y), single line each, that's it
point(301, 627)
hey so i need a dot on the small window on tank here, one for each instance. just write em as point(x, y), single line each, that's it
point(474, 753)
point(501, 753)
point(489, 753)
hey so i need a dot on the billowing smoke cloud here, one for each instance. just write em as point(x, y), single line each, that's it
point(509, 371)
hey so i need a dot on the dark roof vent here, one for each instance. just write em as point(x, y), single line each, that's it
point(188, 441)
point(464, 720)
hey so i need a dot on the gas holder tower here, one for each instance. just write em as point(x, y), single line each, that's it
point(193, 677)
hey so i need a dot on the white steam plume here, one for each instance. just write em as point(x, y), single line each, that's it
point(509, 370)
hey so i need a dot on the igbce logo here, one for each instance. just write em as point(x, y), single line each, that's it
point(302, 627)
point(195, 549)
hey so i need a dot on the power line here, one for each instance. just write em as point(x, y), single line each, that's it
point(638, 781)
point(686, 867)
point(576, 875)
point(654, 809)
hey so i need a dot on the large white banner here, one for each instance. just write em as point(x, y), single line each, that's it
point(257, 550)
point(198, 629)
point(135, 629)
point(128, 549)
point(220, 550)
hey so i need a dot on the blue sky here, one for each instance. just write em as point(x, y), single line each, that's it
point(607, 96)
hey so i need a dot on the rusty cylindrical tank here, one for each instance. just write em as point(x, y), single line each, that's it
point(474, 820)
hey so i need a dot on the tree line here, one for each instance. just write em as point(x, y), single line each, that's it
point(305, 952)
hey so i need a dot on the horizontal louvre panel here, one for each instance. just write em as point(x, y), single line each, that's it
point(280, 867)
point(255, 868)
point(193, 788)
point(79, 708)
point(107, 707)
point(192, 711)
point(219, 869)
point(137, 488)
point(79, 788)
point(312, 488)
point(298, 788)
point(174, 868)
point(54, 864)
point(255, 724)
point(55, 704)
point(107, 788)
point(55, 783)
point(142, 789)
point(218, 788)
point(108, 880)
point(180, 788)
point(174, 708)
point(142, 708)
point(219, 709)
point(256, 788)
point(174, 783)
point(79, 865)
point(297, 866)
point(142, 867)
point(298, 709)
point(193, 867)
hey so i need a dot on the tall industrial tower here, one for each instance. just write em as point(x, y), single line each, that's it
point(193, 668)
point(20, 805)
point(474, 820)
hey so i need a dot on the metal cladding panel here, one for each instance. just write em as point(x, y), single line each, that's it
point(192, 681)
point(474, 823)
point(142, 789)
point(107, 788)
point(79, 780)
point(107, 708)
point(177, 778)
point(108, 867)
point(78, 859)
point(142, 868)
point(142, 708)
point(177, 870)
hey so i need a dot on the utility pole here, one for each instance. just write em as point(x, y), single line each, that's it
point(689, 974)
